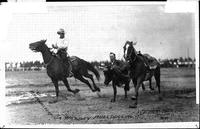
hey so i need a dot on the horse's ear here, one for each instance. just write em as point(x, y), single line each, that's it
point(130, 43)
point(44, 41)
point(134, 43)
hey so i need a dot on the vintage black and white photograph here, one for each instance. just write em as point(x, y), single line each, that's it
point(99, 63)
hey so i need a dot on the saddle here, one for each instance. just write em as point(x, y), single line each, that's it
point(150, 61)
point(62, 56)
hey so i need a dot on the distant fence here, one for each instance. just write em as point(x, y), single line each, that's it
point(24, 66)
point(37, 66)
point(167, 64)
point(25, 69)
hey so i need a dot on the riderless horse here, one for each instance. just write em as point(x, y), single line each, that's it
point(139, 72)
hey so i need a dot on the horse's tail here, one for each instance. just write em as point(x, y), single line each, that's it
point(91, 68)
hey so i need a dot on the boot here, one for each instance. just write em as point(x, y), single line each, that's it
point(70, 68)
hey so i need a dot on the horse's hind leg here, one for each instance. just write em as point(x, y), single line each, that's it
point(91, 77)
point(79, 77)
point(68, 87)
point(115, 91)
point(157, 78)
point(150, 86)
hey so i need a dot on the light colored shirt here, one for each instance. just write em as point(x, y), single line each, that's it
point(62, 43)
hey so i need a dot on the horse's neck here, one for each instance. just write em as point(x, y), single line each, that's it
point(134, 55)
point(136, 59)
point(46, 54)
point(140, 60)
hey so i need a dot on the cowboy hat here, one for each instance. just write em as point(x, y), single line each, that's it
point(61, 31)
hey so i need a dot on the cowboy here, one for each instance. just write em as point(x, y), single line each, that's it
point(118, 66)
point(61, 46)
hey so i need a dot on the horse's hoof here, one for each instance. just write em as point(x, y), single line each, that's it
point(76, 91)
point(98, 89)
point(94, 90)
point(133, 97)
point(80, 97)
point(112, 100)
point(52, 101)
point(99, 94)
point(133, 106)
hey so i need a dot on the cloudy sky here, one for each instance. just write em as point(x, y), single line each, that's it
point(94, 31)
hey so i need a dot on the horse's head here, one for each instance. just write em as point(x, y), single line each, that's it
point(37, 46)
point(129, 50)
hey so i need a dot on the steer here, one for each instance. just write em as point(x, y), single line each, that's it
point(117, 80)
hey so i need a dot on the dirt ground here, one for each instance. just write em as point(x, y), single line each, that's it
point(28, 95)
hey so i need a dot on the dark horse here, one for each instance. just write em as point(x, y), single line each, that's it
point(138, 70)
point(57, 70)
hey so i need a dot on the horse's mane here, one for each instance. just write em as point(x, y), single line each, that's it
point(49, 49)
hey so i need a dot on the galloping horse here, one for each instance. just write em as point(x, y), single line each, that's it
point(57, 70)
point(138, 70)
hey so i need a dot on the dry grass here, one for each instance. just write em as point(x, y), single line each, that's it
point(178, 104)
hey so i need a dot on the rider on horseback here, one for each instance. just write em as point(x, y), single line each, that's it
point(61, 46)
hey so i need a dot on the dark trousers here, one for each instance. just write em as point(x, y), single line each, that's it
point(66, 60)
point(63, 55)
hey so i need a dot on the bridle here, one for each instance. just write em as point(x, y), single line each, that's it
point(129, 57)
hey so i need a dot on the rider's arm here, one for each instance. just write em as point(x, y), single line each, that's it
point(54, 46)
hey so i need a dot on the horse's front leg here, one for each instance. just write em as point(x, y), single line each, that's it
point(68, 87)
point(135, 97)
point(55, 82)
point(150, 86)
